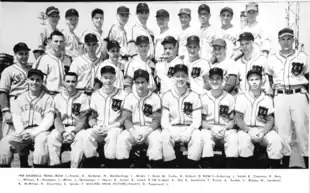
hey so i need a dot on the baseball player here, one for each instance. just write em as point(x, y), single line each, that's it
point(53, 17)
point(33, 116)
point(254, 115)
point(289, 73)
point(140, 28)
point(142, 108)
point(38, 52)
point(181, 119)
point(198, 67)
point(107, 102)
point(53, 63)
point(114, 60)
point(85, 65)
point(165, 68)
point(217, 121)
point(5, 61)
point(70, 104)
point(228, 65)
point(141, 61)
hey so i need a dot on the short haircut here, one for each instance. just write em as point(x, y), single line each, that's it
point(96, 11)
point(71, 74)
point(56, 33)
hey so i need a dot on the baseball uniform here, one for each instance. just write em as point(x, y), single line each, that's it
point(182, 37)
point(72, 44)
point(230, 36)
point(100, 37)
point(181, 114)
point(206, 35)
point(255, 112)
point(216, 112)
point(44, 33)
point(118, 33)
point(142, 110)
point(70, 108)
point(229, 67)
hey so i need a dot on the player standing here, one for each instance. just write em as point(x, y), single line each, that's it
point(289, 72)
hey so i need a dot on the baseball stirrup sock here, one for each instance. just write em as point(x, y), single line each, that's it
point(286, 161)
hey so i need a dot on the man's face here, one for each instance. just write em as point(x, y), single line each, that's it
point(22, 57)
point(108, 80)
point(180, 78)
point(57, 43)
point(143, 49)
point(70, 83)
point(219, 51)
point(143, 16)
point(162, 22)
point(123, 18)
point(53, 19)
point(72, 22)
point(185, 19)
point(141, 85)
point(170, 50)
point(193, 50)
point(226, 18)
point(35, 82)
point(286, 42)
point(204, 16)
point(91, 47)
point(216, 81)
point(251, 15)
point(254, 82)
point(98, 20)
point(246, 46)
point(114, 54)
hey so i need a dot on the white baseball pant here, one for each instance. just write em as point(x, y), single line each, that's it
point(126, 141)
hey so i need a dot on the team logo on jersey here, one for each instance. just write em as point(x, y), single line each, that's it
point(188, 108)
point(195, 72)
point(170, 72)
point(297, 68)
point(116, 104)
point(76, 107)
point(262, 112)
point(223, 110)
point(147, 110)
point(18, 78)
point(258, 69)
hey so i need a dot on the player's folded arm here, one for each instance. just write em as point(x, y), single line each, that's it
point(165, 122)
point(127, 117)
point(83, 121)
point(156, 117)
point(269, 123)
point(230, 83)
point(4, 101)
point(240, 121)
point(196, 114)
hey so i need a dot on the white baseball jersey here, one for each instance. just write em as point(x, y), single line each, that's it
point(229, 67)
point(183, 35)
point(181, 107)
point(230, 36)
point(100, 36)
point(119, 34)
point(142, 108)
point(72, 46)
point(159, 49)
point(282, 70)
point(206, 35)
point(53, 67)
point(216, 109)
point(197, 70)
point(254, 110)
point(85, 68)
point(119, 83)
point(164, 71)
point(71, 107)
point(108, 106)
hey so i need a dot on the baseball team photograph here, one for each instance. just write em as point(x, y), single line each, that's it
point(224, 96)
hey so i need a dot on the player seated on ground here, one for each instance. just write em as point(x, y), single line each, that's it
point(33, 117)
point(181, 119)
point(254, 115)
point(217, 121)
point(70, 104)
point(105, 128)
point(142, 126)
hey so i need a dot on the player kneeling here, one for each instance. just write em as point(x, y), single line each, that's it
point(142, 108)
point(107, 102)
point(254, 116)
point(33, 117)
point(217, 121)
point(70, 106)
point(181, 119)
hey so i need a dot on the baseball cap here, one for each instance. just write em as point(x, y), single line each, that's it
point(35, 72)
point(219, 42)
point(184, 11)
point(122, 9)
point(228, 9)
point(51, 10)
point(204, 7)
point(141, 73)
point(39, 49)
point(180, 68)
point(142, 39)
point(20, 46)
point(251, 6)
point(162, 13)
point(6, 58)
point(285, 31)
point(170, 40)
point(90, 38)
point(254, 71)
point(108, 69)
point(72, 12)
point(142, 7)
point(242, 14)
point(216, 71)
point(113, 44)
point(246, 36)
point(192, 40)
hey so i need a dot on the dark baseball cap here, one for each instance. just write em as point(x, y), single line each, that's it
point(142, 39)
point(122, 9)
point(254, 71)
point(227, 9)
point(35, 72)
point(285, 31)
point(193, 40)
point(113, 44)
point(162, 13)
point(248, 36)
point(204, 7)
point(51, 10)
point(186, 11)
point(72, 12)
point(169, 40)
point(216, 71)
point(108, 69)
point(90, 38)
point(142, 7)
point(251, 6)
point(141, 73)
point(219, 42)
point(21, 46)
point(180, 68)
point(6, 58)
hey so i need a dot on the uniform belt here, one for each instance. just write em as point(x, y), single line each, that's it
point(30, 126)
point(289, 91)
point(53, 92)
point(180, 125)
point(68, 125)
